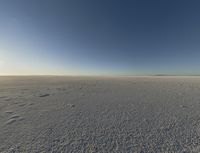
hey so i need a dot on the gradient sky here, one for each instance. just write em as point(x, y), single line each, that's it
point(99, 37)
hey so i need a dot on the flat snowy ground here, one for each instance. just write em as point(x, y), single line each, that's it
point(100, 114)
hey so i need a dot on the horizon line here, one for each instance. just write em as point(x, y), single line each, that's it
point(62, 75)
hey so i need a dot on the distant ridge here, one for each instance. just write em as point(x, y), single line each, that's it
point(176, 75)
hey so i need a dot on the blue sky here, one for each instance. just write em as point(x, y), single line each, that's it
point(91, 37)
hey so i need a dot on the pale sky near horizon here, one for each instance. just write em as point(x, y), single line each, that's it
point(91, 37)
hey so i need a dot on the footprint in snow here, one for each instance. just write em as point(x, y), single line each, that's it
point(44, 95)
point(9, 112)
point(71, 105)
point(183, 106)
point(10, 121)
point(14, 116)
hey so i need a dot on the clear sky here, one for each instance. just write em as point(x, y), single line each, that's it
point(99, 37)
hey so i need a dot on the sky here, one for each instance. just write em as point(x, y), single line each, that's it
point(99, 37)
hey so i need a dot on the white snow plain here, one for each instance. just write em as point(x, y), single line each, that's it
point(100, 114)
